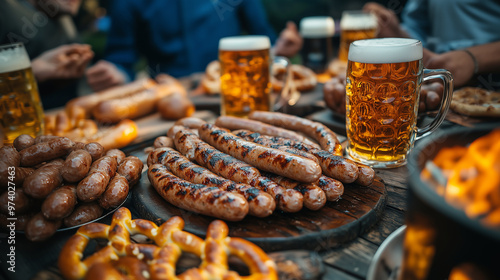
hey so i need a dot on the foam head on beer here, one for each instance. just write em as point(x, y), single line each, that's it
point(317, 27)
point(385, 50)
point(244, 43)
point(357, 20)
point(14, 58)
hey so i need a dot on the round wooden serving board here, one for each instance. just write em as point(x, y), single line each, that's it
point(334, 224)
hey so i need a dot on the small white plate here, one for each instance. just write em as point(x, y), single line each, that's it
point(387, 260)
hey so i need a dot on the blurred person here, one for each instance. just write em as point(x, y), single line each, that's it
point(50, 37)
point(459, 35)
point(179, 37)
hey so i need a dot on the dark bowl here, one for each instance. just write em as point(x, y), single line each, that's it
point(456, 239)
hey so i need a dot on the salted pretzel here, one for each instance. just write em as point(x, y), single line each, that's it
point(121, 257)
point(211, 80)
point(303, 78)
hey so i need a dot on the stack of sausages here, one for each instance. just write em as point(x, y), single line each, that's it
point(53, 182)
point(206, 168)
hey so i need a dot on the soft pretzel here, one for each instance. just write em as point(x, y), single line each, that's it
point(303, 78)
point(211, 80)
point(158, 261)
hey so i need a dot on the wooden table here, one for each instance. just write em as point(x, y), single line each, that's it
point(349, 261)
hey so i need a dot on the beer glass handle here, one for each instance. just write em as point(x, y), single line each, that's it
point(286, 92)
point(447, 79)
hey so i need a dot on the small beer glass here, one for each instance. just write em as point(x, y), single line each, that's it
point(383, 88)
point(317, 50)
point(21, 110)
point(246, 74)
point(355, 25)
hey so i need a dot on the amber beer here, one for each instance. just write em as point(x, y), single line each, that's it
point(245, 75)
point(383, 88)
point(21, 110)
point(355, 25)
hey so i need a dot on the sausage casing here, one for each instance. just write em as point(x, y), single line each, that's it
point(39, 228)
point(43, 180)
point(83, 213)
point(115, 193)
point(45, 151)
point(131, 169)
point(76, 166)
point(60, 203)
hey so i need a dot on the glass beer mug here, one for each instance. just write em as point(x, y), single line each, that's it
point(317, 49)
point(246, 74)
point(21, 110)
point(383, 88)
point(355, 25)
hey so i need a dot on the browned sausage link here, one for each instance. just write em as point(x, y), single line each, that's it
point(333, 166)
point(233, 123)
point(195, 149)
point(333, 189)
point(76, 166)
point(326, 138)
point(260, 204)
point(366, 175)
point(190, 122)
point(94, 185)
point(60, 203)
point(7, 176)
point(288, 200)
point(46, 151)
point(23, 141)
point(95, 150)
point(21, 202)
point(314, 196)
point(198, 198)
point(117, 154)
point(39, 228)
point(79, 146)
point(45, 138)
point(115, 193)
point(264, 158)
point(163, 141)
point(83, 213)
point(131, 169)
point(43, 180)
point(10, 155)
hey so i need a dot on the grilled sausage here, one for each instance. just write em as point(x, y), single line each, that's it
point(314, 196)
point(117, 154)
point(198, 198)
point(21, 202)
point(39, 228)
point(45, 151)
point(366, 175)
point(163, 141)
point(333, 189)
point(83, 213)
point(233, 123)
point(10, 156)
point(94, 184)
point(15, 175)
point(131, 169)
point(264, 158)
point(43, 180)
point(95, 150)
point(23, 141)
point(115, 193)
point(60, 203)
point(45, 138)
point(260, 204)
point(76, 166)
point(326, 138)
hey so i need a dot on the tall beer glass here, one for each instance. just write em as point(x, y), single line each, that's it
point(355, 25)
point(383, 89)
point(245, 75)
point(21, 110)
point(317, 49)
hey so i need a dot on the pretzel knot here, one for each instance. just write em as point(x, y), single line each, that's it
point(123, 259)
point(302, 78)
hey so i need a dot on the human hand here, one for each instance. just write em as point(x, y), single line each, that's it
point(64, 62)
point(388, 22)
point(104, 75)
point(290, 42)
point(459, 63)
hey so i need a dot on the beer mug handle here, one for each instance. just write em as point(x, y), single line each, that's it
point(447, 79)
point(286, 92)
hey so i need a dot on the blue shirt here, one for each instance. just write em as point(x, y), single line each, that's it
point(445, 25)
point(178, 37)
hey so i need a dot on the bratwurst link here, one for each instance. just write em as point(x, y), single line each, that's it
point(264, 158)
point(211, 201)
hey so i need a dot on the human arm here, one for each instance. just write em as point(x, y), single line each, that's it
point(63, 62)
point(461, 64)
point(387, 20)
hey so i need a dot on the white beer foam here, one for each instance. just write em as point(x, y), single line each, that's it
point(12, 59)
point(385, 50)
point(317, 27)
point(357, 20)
point(244, 43)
